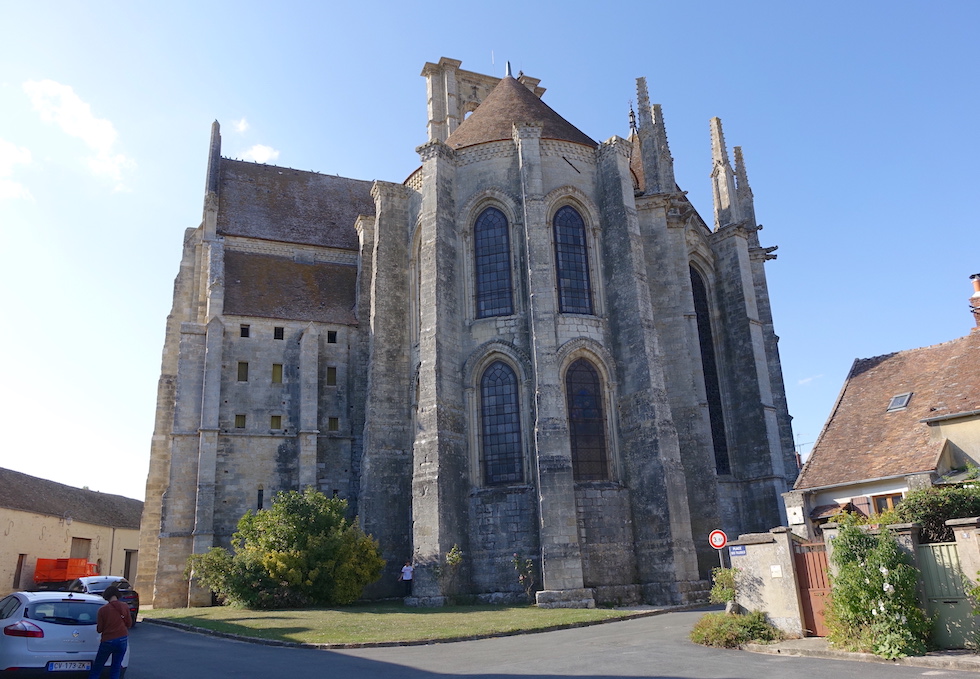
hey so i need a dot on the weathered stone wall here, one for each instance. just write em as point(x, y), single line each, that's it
point(767, 580)
point(606, 532)
point(967, 535)
point(40, 536)
point(502, 523)
point(384, 502)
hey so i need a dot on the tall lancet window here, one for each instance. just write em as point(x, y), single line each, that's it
point(491, 246)
point(572, 262)
point(712, 384)
point(586, 422)
point(500, 426)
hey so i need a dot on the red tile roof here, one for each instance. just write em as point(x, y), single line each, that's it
point(508, 103)
point(862, 441)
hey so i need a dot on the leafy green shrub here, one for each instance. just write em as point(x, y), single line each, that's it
point(300, 552)
point(885, 518)
point(873, 604)
point(931, 507)
point(731, 631)
point(449, 574)
point(722, 585)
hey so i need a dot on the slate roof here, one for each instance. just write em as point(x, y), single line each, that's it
point(862, 441)
point(292, 206)
point(278, 287)
point(40, 496)
point(508, 103)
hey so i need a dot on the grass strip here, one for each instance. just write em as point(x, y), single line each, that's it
point(383, 623)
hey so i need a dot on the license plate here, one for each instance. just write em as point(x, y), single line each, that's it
point(70, 666)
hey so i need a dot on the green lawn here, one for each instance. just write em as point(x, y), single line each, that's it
point(382, 623)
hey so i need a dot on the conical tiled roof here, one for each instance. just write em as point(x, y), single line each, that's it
point(508, 103)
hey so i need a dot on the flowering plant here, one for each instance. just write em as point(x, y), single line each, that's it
point(525, 574)
point(873, 604)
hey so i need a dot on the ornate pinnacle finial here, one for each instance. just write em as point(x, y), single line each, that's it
point(642, 94)
point(507, 74)
point(643, 102)
point(722, 179)
point(743, 192)
point(663, 149)
point(632, 119)
point(741, 175)
point(719, 154)
point(658, 166)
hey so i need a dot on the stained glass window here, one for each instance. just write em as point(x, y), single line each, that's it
point(586, 422)
point(500, 425)
point(491, 246)
point(572, 262)
point(712, 385)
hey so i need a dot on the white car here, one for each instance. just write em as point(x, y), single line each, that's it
point(50, 632)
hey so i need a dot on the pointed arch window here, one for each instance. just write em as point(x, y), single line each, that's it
point(491, 248)
point(586, 422)
point(572, 262)
point(712, 383)
point(500, 426)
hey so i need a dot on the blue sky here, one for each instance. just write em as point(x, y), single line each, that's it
point(856, 120)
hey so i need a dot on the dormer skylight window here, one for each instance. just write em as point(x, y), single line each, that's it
point(899, 402)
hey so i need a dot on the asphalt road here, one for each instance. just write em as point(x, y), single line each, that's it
point(655, 647)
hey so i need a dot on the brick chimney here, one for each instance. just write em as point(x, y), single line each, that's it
point(975, 300)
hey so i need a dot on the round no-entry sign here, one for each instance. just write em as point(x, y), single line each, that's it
point(718, 539)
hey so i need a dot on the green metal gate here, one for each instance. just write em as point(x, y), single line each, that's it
point(945, 592)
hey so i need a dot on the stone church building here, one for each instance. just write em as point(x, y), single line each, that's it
point(534, 345)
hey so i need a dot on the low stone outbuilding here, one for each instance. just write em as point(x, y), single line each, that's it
point(48, 520)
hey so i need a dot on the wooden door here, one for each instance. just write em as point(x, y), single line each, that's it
point(811, 574)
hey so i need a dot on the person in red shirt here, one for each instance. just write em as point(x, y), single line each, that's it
point(114, 621)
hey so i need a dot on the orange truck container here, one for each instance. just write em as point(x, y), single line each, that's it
point(62, 570)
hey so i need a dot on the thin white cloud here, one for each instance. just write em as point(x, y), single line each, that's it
point(240, 125)
point(261, 153)
point(10, 189)
point(10, 155)
point(57, 103)
point(807, 380)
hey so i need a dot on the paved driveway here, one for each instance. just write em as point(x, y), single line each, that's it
point(655, 647)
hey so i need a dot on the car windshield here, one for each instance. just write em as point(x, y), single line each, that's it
point(100, 586)
point(64, 612)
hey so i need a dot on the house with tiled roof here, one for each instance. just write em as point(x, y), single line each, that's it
point(902, 421)
point(48, 520)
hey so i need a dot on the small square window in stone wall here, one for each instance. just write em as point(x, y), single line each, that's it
point(277, 373)
point(331, 376)
point(331, 336)
point(276, 422)
point(239, 421)
point(244, 329)
point(333, 424)
point(242, 371)
point(278, 333)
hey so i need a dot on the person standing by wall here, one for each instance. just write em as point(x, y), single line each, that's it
point(114, 621)
point(406, 577)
